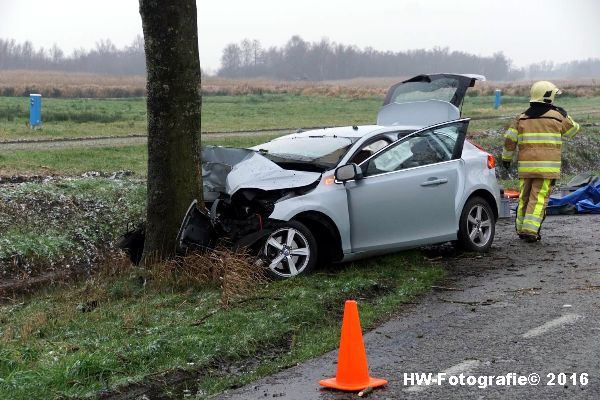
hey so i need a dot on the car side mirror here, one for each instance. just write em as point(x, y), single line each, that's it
point(348, 172)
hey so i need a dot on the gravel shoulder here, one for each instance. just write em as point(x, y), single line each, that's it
point(112, 141)
point(523, 308)
point(49, 144)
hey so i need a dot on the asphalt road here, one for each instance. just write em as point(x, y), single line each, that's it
point(523, 309)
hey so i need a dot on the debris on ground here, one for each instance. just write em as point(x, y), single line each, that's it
point(583, 197)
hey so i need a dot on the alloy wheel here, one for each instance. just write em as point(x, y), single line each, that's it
point(287, 251)
point(479, 225)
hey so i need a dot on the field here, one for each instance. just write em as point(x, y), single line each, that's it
point(96, 117)
point(106, 324)
point(81, 85)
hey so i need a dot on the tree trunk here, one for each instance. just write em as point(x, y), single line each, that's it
point(174, 102)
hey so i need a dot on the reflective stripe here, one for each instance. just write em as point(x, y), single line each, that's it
point(520, 209)
point(573, 131)
point(530, 217)
point(519, 223)
point(540, 137)
point(531, 225)
point(540, 169)
point(507, 155)
point(511, 134)
point(537, 134)
point(528, 228)
point(540, 141)
point(541, 198)
point(539, 164)
point(531, 220)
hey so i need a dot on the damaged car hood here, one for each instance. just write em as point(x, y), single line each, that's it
point(227, 170)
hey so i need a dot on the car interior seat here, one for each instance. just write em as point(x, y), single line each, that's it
point(361, 156)
point(423, 154)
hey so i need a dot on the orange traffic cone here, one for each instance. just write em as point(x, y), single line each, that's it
point(352, 369)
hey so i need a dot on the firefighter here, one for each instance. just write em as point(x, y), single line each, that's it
point(537, 135)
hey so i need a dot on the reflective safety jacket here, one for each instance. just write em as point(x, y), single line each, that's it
point(538, 134)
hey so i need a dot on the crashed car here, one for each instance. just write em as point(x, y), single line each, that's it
point(345, 193)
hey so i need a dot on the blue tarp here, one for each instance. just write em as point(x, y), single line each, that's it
point(586, 199)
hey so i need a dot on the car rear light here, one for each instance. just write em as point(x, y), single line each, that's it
point(491, 161)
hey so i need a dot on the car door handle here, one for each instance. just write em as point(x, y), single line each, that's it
point(434, 181)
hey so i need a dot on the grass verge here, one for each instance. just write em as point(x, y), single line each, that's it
point(74, 161)
point(64, 223)
point(56, 344)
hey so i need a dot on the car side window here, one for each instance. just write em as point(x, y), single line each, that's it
point(368, 150)
point(423, 148)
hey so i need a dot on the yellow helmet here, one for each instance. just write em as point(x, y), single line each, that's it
point(543, 92)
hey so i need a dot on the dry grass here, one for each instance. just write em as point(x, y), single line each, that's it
point(236, 275)
point(33, 324)
point(353, 88)
point(80, 85)
point(70, 85)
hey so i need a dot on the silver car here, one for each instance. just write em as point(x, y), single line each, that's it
point(345, 193)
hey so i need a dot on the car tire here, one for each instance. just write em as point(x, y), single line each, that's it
point(477, 226)
point(289, 251)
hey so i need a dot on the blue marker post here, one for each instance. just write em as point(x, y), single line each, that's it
point(498, 99)
point(35, 110)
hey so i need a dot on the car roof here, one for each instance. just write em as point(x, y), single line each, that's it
point(350, 131)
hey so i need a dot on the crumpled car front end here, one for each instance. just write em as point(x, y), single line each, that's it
point(241, 188)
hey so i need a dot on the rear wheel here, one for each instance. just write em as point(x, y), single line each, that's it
point(477, 226)
point(289, 251)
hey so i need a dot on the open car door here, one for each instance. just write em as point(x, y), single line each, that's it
point(408, 193)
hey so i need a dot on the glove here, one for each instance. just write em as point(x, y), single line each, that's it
point(506, 164)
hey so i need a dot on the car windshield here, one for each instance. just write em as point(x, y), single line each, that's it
point(438, 89)
point(319, 152)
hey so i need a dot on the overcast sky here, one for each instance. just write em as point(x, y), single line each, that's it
point(525, 30)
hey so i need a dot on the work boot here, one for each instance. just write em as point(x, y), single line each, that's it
point(531, 238)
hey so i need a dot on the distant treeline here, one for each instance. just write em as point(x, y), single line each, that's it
point(325, 60)
point(105, 58)
point(296, 60)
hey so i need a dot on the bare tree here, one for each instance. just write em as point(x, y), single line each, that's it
point(247, 53)
point(231, 60)
point(256, 52)
point(174, 101)
point(136, 46)
point(105, 46)
point(56, 54)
